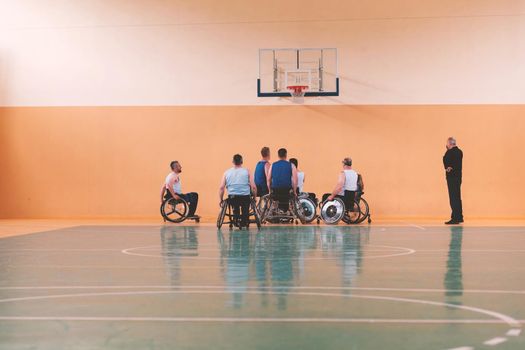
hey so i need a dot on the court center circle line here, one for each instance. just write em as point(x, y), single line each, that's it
point(131, 251)
point(513, 323)
point(375, 289)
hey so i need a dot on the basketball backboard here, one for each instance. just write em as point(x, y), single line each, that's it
point(280, 69)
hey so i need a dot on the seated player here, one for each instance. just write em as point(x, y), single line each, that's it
point(346, 186)
point(262, 170)
point(300, 181)
point(238, 181)
point(283, 178)
point(172, 189)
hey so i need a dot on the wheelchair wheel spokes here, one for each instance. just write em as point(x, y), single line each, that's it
point(255, 213)
point(174, 210)
point(298, 210)
point(352, 215)
point(365, 210)
point(264, 207)
point(222, 214)
point(308, 209)
point(332, 211)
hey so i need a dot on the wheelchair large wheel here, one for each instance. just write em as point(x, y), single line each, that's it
point(298, 210)
point(174, 210)
point(309, 209)
point(352, 215)
point(222, 214)
point(264, 207)
point(260, 204)
point(332, 211)
point(255, 213)
point(364, 209)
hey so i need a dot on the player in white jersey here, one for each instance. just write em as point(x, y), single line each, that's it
point(348, 183)
point(300, 181)
point(171, 188)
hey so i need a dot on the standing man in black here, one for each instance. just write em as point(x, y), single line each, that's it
point(453, 162)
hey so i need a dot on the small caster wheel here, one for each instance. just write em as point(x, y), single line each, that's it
point(197, 220)
point(369, 220)
point(318, 221)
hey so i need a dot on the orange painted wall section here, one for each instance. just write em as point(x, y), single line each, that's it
point(108, 162)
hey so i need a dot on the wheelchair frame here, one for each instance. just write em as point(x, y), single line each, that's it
point(295, 210)
point(227, 212)
point(176, 215)
point(363, 204)
point(360, 203)
point(308, 204)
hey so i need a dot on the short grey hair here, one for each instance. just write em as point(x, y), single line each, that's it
point(347, 161)
point(452, 140)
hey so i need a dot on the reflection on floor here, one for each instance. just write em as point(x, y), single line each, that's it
point(289, 287)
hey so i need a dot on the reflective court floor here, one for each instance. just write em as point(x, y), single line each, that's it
point(281, 287)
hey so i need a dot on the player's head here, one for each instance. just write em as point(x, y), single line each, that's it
point(347, 162)
point(175, 166)
point(265, 152)
point(294, 162)
point(237, 160)
point(282, 153)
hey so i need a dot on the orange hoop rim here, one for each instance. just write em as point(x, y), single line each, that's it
point(297, 88)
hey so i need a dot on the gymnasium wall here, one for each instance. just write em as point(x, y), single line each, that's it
point(205, 52)
point(97, 97)
point(111, 161)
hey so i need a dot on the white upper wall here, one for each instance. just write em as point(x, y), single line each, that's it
point(205, 52)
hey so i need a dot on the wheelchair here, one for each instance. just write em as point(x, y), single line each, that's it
point(176, 210)
point(226, 216)
point(363, 208)
point(269, 208)
point(341, 208)
point(309, 206)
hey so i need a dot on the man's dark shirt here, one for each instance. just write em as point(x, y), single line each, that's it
point(453, 158)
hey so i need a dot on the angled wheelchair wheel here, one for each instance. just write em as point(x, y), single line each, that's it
point(365, 211)
point(298, 210)
point(222, 214)
point(264, 207)
point(309, 209)
point(255, 213)
point(352, 215)
point(174, 210)
point(332, 211)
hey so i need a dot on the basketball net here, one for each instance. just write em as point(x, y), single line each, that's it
point(297, 92)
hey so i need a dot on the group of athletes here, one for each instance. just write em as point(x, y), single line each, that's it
point(279, 178)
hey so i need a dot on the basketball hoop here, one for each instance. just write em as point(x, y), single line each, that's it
point(297, 92)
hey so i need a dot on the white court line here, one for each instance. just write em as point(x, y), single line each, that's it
point(463, 348)
point(185, 250)
point(247, 319)
point(495, 341)
point(409, 224)
point(506, 319)
point(403, 251)
point(417, 226)
point(474, 250)
point(94, 267)
point(514, 332)
point(436, 228)
point(222, 287)
point(60, 250)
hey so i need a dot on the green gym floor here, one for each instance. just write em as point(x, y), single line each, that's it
point(282, 287)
